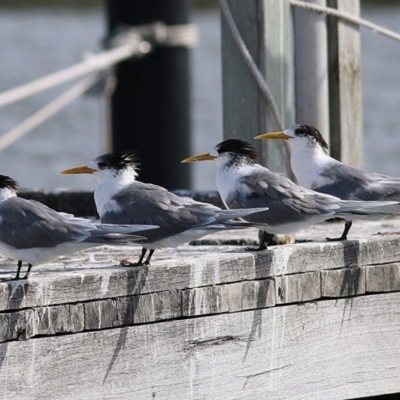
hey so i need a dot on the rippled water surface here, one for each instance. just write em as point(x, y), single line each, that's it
point(34, 43)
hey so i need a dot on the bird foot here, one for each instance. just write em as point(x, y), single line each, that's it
point(136, 264)
point(260, 248)
point(126, 263)
point(339, 239)
point(10, 279)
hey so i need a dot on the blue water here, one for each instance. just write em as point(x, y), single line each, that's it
point(34, 43)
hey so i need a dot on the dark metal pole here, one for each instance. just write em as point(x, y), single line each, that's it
point(150, 107)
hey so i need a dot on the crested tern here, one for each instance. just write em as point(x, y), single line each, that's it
point(34, 233)
point(120, 198)
point(315, 169)
point(242, 182)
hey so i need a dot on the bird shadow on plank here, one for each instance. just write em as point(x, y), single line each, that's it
point(136, 281)
point(16, 291)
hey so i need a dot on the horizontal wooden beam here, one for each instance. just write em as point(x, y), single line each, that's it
point(61, 302)
point(331, 349)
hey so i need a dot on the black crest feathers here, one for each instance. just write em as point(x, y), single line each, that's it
point(7, 182)
point(239, 147)
point(311, 132)
point(119, 160)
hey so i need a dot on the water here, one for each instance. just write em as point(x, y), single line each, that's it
point(381, 89)
point(36, 42)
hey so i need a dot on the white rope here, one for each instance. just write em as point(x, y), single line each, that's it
point(347, 17)
point(262, 84)
point(160, 34)
point(91, 64)
point(137, 42)
point(49, 110)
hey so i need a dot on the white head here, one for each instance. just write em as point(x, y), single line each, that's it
point(120, 166)
point(302, 137)
point(231, 152)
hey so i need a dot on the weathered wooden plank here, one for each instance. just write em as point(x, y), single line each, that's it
point(251, 295)
point(108, 313)
point(212, 299)
point(298, 288)
point(17, 325)
point(383, 278)
point(297, 351)
point(157, 306)
point(228, 298)
point(343, 282)
point(94, 281)
point(69, 318)
point(345, 87)
point(204, 301)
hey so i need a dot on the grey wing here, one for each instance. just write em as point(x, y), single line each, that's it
point(287, 202)
point(352, 183)
point(152, 205)
point(27, 223)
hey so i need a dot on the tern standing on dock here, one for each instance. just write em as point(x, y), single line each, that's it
point(314, 169)
point(34, 233)
point(242, 182)
point(121, 199)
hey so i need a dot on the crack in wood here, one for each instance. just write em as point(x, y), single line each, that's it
point(266, 372)
point(214, 341)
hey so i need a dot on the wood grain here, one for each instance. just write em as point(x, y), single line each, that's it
point(333, 349)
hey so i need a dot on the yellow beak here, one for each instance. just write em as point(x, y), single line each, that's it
point(274, 135)
point(199, 157)
point(83, 169)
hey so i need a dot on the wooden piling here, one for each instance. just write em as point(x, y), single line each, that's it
point(345, 89)
point(324, 60)
point(150, 105)
point(311, 68)
point(263, 27)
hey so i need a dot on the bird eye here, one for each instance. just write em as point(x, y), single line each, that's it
point(102, 164)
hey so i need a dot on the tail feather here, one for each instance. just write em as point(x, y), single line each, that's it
point(226, 215)
point(121, 234)
point(368, 210)
point(115, 238)
point(105, 229)
point(234, 225)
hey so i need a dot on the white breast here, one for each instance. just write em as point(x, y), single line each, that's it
point(227, 180)
point(103, 197)
point(308, 165)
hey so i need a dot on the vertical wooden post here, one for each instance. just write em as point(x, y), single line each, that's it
point(149, 107)
point(264, 27)
point(277, 66)
point(311, 68)
point(345, 85)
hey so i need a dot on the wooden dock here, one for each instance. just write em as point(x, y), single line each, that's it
point(305, 320)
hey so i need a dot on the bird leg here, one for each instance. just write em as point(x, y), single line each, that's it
point(147, 262)
point(347, 227)
point(28, 271)
point(17, 277)
point(140, 262)
point(265, 238)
